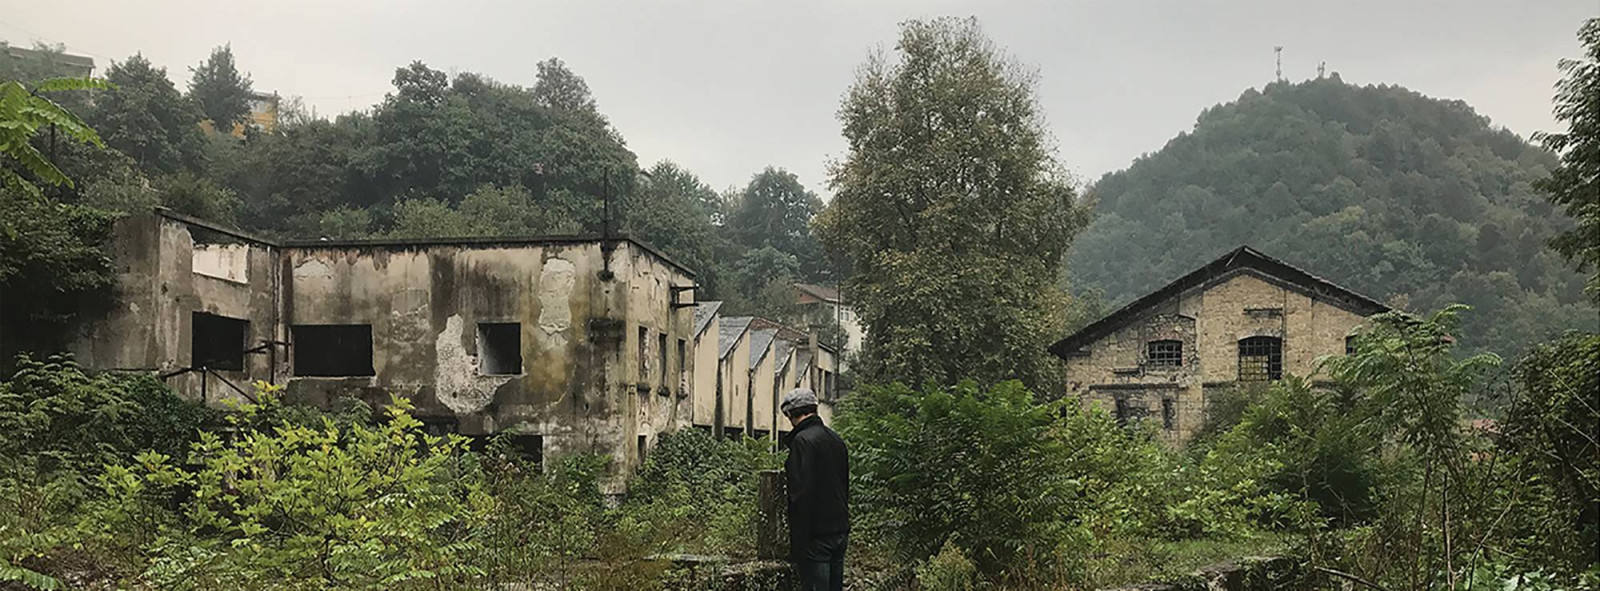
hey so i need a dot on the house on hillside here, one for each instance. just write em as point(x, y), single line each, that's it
point(824, 306)
point(569, 344)
point(1244, 318)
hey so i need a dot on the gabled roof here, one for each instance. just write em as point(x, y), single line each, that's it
point(782, 350)
point(802, 361)
point(760, 344)
point(729, 330)
point(824, 293)
point(703, 313)
point(1237, 260)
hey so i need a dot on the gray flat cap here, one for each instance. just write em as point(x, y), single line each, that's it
point(797, 398)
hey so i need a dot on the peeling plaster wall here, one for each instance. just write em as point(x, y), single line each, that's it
point(149, 325)
point(1209, 320)
point(578, 388)
point(578, 305)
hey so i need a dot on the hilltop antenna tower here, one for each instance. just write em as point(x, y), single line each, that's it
point(1277, 51)
point(1322, 68)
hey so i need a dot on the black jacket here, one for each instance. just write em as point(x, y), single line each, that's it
point(818, 471)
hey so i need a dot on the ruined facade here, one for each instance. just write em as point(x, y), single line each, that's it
point(1244, 318)
point(569, 344)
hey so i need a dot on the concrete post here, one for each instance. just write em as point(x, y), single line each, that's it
point(772, 534)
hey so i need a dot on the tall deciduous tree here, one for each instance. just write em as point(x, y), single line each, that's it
point(1575, 185)
point(951, 211)
point(220, 91)
point(560, 89)
point(775, 210)
point(147, 118)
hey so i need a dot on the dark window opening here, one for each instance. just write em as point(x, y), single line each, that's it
point(644, 355)
point(1121, 412)
point(332, 350)
point(661, 360)
point(529, 446)
point(218, 342)
point(644, 442)
point(499, 348)
point(683, 365)
point(1165, 353)
point(1350, 345)
point(1260, 359)
point(1169, 416)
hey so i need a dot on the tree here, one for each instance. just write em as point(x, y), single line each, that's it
point(775, 210)
point(560, 89)
point(1575, 184)
point(146, 118)
point(221, 93)
point(672, 211)
point(951, 212)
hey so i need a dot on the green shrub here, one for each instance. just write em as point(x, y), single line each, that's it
point(294, 506)
point(983, 469)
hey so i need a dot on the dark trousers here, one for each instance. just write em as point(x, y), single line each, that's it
point(822, 567)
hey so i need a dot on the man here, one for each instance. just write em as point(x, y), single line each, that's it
point(818, 474)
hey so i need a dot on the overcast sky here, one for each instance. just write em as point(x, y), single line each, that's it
point(728, 87)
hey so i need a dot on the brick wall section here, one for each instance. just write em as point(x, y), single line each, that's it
point(1209, 320)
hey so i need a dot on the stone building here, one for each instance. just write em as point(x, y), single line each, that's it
point(570, 344)
point(1243, 318)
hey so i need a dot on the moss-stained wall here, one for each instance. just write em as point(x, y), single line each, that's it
point(579, 309)
point(150, 324)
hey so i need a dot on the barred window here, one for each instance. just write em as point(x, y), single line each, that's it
point(1166, 353)
point(1260, 359)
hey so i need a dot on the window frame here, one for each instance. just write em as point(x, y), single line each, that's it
point(1170, 353)
point(1260, 359)
point(300, 340)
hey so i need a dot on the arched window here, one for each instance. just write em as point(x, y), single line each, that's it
point(1164, 353)
point(1260, 359)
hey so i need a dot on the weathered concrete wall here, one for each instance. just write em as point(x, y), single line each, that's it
point(578, 312)
point(705, 375)
point(763, 403)
point(1209, 320)
point(150, 324)
point(735, 368)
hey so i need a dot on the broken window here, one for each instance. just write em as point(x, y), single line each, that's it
point(644, 355)
point(1169, 416)
point(1350, 345)
point(499, 348)
point(1164, 353)
point(1260, 359)
point(661, 361)
point(332, 350)
point(217, 342)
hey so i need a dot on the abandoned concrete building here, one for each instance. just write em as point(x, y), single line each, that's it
point(567, 344)
point(1241, 319)
point(745, 364)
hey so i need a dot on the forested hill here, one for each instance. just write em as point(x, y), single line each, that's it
point(1412, 200)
